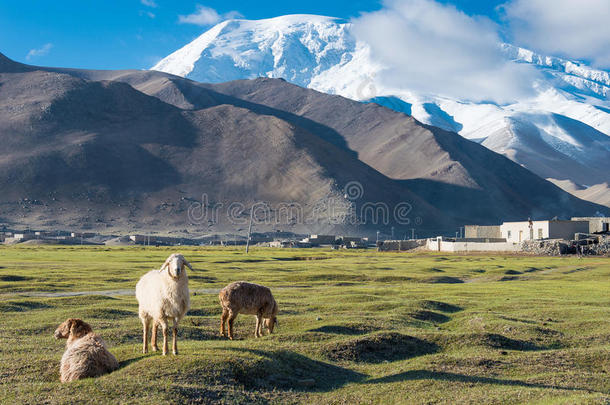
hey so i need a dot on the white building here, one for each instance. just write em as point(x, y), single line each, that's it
point(516, 232)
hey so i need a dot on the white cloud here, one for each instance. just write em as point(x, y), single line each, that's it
point(206, 16)
point(149, 14)
point(42, 51)
point(573, 29)
point(434, 48)
point(149, 3)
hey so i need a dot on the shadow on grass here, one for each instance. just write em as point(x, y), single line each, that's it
point(441, 306)
point(203, 312)
point(379, 348)
point(414, 375)
point(125, 363)
point(502, 342)
point(359, 329)
point(10, 277)
point(107, 313)
point(442, 280)
point(288, 370)
point(22, 306)
point(301, 258)
point(429, 316)
point(206, 279)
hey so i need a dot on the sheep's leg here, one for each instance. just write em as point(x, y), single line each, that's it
point(257, 331)
point(174, 337)
point(153, 339)
point(232, 317)
point(164, 329)
point(145, 324)
point(223, 320)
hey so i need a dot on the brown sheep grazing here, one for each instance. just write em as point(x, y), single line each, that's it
point(247, 298)
point(86, 354)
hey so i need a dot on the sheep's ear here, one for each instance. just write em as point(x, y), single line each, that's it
point(79, 328)
point(166, 264)
point(187, 263)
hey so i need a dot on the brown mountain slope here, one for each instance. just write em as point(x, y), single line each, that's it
point(457, 176)
point(77, 153)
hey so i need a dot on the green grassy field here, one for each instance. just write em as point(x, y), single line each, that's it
point(355, 327)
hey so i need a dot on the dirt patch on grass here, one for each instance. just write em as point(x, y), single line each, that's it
point(467, 364)
point(512, 272)
point(440, 306)
point(347, 329)
point(378, 348)
point(498, 341)
point(429, 316)
point(443, 280)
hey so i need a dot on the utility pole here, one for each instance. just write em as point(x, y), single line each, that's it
point(392, 233)
point(412, 233)
point(461, 231)
point(249, 230)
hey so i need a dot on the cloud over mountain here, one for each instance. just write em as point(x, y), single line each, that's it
point(573, 29)
point(428, 46)
point(206, 16)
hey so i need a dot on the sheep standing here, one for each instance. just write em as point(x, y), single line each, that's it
point(86, 354)
point(247, 298)
point(163, 295)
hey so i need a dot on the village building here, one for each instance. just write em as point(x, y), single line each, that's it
point(596, 224)
point(517, 232)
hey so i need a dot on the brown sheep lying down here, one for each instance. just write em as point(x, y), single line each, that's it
point(247, 298)
point(86, 354)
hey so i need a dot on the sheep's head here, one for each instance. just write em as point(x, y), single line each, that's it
point(72, 328)
point(270, 323)
point(175, 265)
point(272, 320)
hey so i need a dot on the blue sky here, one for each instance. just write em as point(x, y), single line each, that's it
point(131, 34)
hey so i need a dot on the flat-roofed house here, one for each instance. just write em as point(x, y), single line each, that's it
point(596, 224)
point(530, 230)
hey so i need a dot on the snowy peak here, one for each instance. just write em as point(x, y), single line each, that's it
point(572, 73)
point(294, 47)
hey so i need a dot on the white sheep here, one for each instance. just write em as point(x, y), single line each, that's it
point(247, 298)
point(163, 295)
point(86, 354)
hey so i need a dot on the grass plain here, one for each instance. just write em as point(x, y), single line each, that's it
point(354, 327)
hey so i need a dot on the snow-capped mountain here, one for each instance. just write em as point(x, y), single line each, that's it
point(561, 133)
